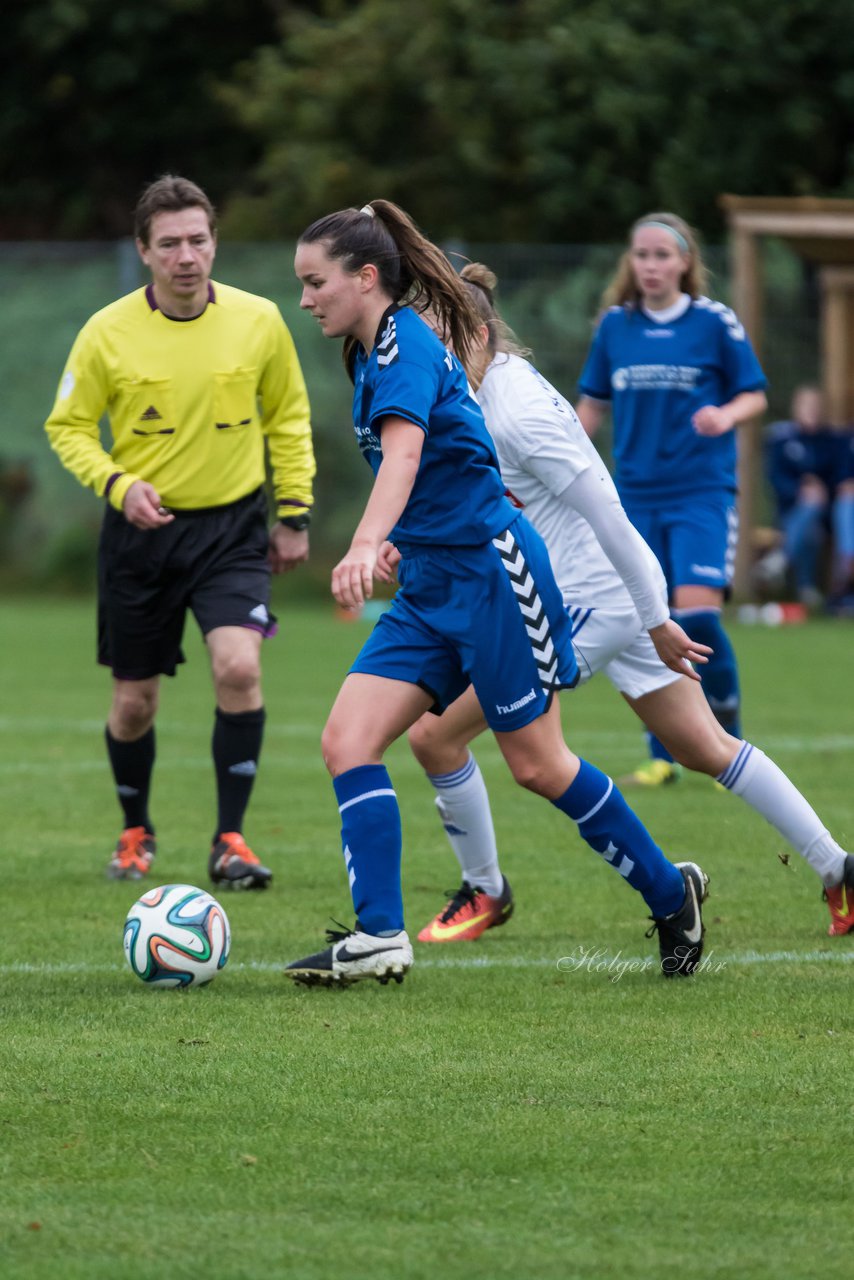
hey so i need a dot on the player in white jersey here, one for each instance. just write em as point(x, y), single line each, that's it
point(615, 595)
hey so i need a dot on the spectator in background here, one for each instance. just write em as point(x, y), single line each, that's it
point(195, 377)
point(842, 585)
point(810, 467)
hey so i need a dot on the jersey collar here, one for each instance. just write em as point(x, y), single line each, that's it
point(669, 314)
point(357, 351)
point(384, 319)
point(152, 302)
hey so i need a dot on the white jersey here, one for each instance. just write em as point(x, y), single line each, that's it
point(542, 448)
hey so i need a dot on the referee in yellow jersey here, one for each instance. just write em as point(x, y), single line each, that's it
point(195, 376)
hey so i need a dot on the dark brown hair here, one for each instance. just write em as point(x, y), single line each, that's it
point(169, 194)
point(412, 270)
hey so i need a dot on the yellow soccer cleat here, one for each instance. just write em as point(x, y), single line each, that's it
point(655, 773)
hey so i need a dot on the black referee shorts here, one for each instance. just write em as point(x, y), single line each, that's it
point(211, 561)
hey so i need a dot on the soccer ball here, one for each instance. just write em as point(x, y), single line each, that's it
point(176, 936)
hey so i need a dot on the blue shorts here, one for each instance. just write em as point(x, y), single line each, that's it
point(694, 539)
point(491, 616)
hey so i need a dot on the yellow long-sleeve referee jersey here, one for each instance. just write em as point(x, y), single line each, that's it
point(190, 403)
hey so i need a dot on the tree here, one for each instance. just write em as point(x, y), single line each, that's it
point(98, 97)
point(549, 120)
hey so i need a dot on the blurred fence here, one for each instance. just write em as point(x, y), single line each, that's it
point(549, 295)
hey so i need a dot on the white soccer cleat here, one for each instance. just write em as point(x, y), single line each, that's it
point(353, 956)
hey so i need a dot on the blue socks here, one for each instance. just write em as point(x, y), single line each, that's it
point(371, 840)
point(720, 674)
point(657, 749)
point(608, 825)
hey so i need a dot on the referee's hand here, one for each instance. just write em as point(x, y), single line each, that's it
point(142, 507)
point(288, 548)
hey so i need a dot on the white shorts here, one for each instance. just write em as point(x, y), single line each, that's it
point(615, 641)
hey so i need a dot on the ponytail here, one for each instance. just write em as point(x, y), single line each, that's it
point(412, 270)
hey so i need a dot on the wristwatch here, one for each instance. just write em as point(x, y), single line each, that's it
point(299, 522)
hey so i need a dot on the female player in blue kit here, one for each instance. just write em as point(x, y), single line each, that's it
point(477, 604)
point(680, 375)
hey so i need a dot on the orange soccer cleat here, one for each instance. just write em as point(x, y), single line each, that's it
point(840, 899)
point(133, 855)
point(233, 865)
point(469, 913)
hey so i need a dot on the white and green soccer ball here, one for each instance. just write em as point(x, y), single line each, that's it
point(176, 936)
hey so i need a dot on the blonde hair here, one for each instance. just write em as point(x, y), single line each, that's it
point(623, 290)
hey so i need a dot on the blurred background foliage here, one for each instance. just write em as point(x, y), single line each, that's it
point(553, 121)
point(526, 133)
point(549, 294)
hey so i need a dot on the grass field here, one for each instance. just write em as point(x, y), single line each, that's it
point(501, 1114)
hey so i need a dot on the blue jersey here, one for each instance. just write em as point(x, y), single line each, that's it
point(657, 375)
point(793, 453)
point(458, 496)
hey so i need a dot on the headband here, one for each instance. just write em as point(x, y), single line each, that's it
point(665, 226)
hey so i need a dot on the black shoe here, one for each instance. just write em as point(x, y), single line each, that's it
point(680, 936)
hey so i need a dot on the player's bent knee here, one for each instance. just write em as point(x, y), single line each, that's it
point(533, 775)
point(346, 747)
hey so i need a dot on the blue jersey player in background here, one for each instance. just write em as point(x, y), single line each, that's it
point(477, 604)
point(680, 375)
point(810, 466)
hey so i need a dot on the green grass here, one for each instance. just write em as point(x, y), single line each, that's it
point(496, 1116)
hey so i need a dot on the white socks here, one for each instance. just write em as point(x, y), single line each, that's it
point(766, 789)
point(463, 805)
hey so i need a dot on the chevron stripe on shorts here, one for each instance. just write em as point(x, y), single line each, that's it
point(531, 608)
